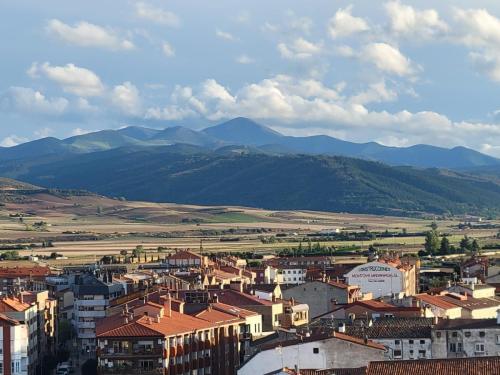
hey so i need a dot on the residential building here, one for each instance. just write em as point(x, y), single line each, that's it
point(156, 339)
point(26, 314)
point(373, 309)
point(313, 352)
point(16, 279)
point(321, 296)
point(385, 277)
point(14, 345)
point(466, 338)
point(92, 296)
point(405, 338)
point(270, 310)
point(293, 274)
point(185, 258)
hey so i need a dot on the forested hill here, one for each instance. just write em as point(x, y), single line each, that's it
point(187, 174)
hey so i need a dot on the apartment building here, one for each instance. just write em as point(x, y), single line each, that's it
point(155, 339)
point(92, 296)
point(14, 343)
point(453, 338)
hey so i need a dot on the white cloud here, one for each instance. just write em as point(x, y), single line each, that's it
point(244, 59)
point(157, 15)
point(299, 49)
point(310, 107)
point(344, 24)
point(27, 100)
point(408, 21)
point(225, 35)
point(478, 28)
point(375, 93)
point(12, 140)
point(126, 98)
point(43, 132)
point(79, 131)
point(387, 59)
point(72, 79)
point(86, 34)
point(168, 50)
point(480, 31)
point(300, 24)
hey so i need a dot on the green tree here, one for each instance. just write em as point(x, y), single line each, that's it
point(431, 242)
point(465, 244)
point(445, 249)
point(475, 246)
point(434, 226)
point(123, 252)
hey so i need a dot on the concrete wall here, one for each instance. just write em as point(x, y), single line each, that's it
point(468, 338)
point(321, 354)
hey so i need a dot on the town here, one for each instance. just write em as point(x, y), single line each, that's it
point(193, 313)
point(260, 187)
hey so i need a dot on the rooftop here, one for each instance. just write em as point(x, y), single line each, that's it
point(450, 366)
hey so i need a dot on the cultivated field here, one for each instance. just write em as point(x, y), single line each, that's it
point(87, 227)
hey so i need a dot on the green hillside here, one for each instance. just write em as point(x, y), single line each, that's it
point(185, 174)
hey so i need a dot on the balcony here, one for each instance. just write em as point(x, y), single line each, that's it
point(135, 352)
point(129, 371)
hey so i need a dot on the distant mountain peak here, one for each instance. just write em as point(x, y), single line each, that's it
point(242, 130)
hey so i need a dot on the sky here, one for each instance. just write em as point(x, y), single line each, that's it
point(396, 72)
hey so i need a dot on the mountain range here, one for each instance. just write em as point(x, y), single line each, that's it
point(255, 138)
point(244, 163)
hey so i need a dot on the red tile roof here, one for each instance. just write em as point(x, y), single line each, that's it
point(437, 301)
point(450, 366)
point(15, 272)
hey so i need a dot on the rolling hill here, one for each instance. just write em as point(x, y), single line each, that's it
point(254, 138)
point(190, 174)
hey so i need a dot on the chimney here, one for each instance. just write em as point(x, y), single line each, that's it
point(157, 320)
point(436, 319)
point(341, 328)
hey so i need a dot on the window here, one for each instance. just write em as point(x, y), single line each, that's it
point(421, 354)
point(397, 342)
point(397, 353)
point(422, 342)
point(454, 334)
point(482, 334)
point(498, 339)
point(316, 350)
point(456, 347)
point(411, 342)
point(479, 348)
point(467, 334)
point(438, 335)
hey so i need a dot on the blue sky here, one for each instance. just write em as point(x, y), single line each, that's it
point(397, 72)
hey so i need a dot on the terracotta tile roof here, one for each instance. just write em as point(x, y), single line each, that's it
point(12, 304)
point(235, 298)
point(238, 311)
point(218, 317)
point(116, 327)
point(381, 306)
point(184, 254)
point(15, 272)
point(338, 284)
point(175, 324)
point(437, 301)
point(450, 366)
point(473, 303)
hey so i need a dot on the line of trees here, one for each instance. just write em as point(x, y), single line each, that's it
point(434, 245)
